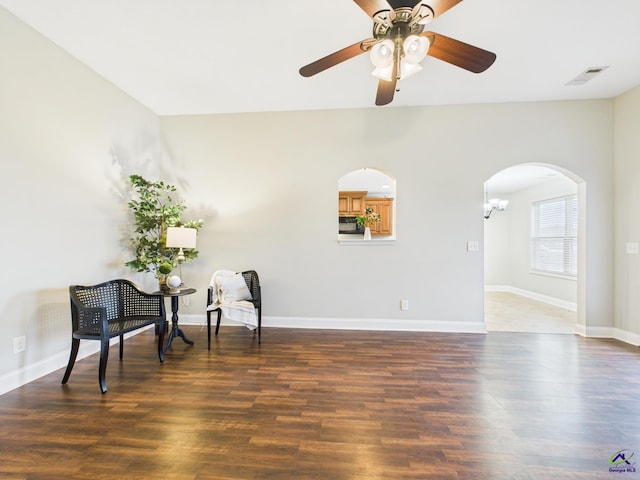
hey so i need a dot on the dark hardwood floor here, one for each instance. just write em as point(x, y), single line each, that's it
point(310, 404)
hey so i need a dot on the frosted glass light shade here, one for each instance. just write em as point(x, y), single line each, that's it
point(415, 48)
point(408, 69)
point(382, 54)
point(383, 73)
point(181, 237)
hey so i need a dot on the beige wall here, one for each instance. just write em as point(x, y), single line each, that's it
point(266, 184)
point(68, 138)
point(270, 182)
point(627, 216)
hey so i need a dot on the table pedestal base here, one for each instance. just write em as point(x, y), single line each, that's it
point(175, 331)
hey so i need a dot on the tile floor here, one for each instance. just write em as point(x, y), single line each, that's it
point(508, 312)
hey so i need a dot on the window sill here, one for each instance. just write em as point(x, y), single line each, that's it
point(551, 274)
point(388, 241)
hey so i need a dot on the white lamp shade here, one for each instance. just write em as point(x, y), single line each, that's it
point(382, 54)
point(415, 48)
point(383, 73)
point(408, 69)
point(181, 237)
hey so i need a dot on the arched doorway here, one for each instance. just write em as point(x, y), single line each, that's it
point(532, 277)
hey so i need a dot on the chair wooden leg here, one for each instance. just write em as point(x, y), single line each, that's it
point(218, 322)
point(259, 326)
point(121, 346)
point(162, 330)
point(102, 370)
point(75, 345)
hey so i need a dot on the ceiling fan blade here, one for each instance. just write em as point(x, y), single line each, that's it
point(441, 6)
point(458, 53)
point(371, 7)
point(385, 93)
point(334, 58)
point(386, 89)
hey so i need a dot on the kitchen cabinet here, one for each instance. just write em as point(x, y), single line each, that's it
point(384, 208)
point(351, 203)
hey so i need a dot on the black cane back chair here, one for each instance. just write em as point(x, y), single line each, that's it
point(253, 284)
point(111, 309)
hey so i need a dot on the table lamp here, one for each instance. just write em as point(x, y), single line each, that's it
point(181, 237)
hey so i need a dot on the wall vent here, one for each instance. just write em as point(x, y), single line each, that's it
point(587, 75)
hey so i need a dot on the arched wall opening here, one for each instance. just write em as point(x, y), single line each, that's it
point(367, 188)
point(529, 300)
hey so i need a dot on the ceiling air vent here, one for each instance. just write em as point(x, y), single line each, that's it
point(587, 75)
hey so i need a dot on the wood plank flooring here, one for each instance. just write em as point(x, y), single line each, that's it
point(311, 404)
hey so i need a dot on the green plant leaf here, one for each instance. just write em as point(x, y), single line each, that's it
point(153, 209)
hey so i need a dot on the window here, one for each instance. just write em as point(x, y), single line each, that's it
point(554, 239)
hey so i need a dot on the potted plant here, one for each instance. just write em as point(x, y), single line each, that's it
point(367, 220)
point(154, 207)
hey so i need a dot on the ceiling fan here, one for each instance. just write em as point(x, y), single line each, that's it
point(399, 43)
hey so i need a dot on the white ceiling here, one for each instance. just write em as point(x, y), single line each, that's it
point(182, 57)
point(209, 56)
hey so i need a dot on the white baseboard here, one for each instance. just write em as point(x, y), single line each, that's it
point(35, 370)
point(609, 332)
point(393, 324)
point(626, 337)
point(532, 295)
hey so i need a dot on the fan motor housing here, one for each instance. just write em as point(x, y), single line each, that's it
point(401, 25)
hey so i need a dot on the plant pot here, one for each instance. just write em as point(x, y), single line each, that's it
point(162, 284)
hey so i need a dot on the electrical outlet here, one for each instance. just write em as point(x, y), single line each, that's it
point(633, 248)
point(404, 304)
point(185, 301)
point(19, 344)
point(473, 246)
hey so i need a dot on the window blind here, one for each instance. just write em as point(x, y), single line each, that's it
point(554, 235)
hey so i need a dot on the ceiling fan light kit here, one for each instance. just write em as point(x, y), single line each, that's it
point(414, 49)
point(400, 43)
point(382, 54)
